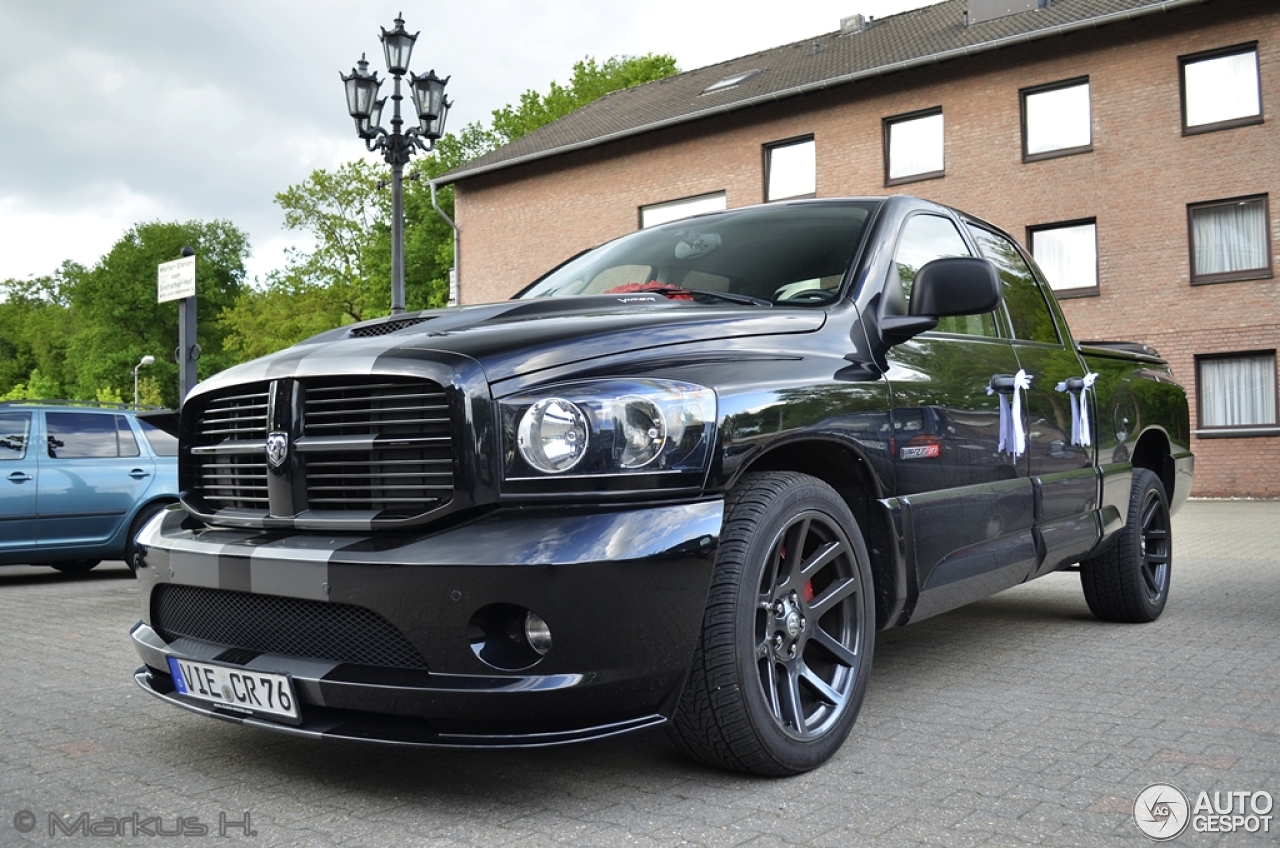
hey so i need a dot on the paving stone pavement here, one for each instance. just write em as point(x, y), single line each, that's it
point(1016, 720)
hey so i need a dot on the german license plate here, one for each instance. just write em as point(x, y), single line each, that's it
point(237, 689)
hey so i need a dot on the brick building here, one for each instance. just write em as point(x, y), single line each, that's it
point(1127, 142)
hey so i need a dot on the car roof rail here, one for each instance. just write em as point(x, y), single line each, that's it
point(92, 404)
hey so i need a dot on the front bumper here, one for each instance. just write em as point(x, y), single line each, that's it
point(622, 591)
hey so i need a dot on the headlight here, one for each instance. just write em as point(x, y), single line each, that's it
point(553, 435)
point(608, 427)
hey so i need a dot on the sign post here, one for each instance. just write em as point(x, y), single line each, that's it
point(176, 280)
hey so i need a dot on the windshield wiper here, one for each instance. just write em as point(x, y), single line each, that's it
point(731, 297)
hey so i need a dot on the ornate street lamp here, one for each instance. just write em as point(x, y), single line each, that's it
point(396, 145)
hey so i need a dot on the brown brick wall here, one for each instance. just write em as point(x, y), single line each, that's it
point(1137, 181)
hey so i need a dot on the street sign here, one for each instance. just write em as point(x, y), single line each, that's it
point(176, 280)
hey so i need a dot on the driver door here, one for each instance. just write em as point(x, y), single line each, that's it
point(967, 497)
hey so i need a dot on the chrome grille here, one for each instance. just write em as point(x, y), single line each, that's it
point(382, 446)
point(355, 449)
point(289, 626)
point(235, 477)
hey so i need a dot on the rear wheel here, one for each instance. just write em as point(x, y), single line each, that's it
point(782, 665)
point(75, 566)
point(1129, 581)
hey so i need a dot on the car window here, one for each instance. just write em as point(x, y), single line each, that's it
point(15, 432)
point(797, 255)
point(924, 239)
point(81, 435)
point(162, 443)
point(1028, 310)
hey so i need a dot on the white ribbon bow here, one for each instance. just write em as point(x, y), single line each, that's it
point(1080, 429)
point(1013, 439)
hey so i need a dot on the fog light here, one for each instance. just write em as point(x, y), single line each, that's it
point(536, 633)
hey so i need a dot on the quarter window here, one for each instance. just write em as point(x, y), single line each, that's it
point(791, 169)
point(1068, 255)
point(1056, 120)
point(1230, 240)
point(1220, 89)
point(673, 210)
point(913, 147)
point(1237, 390)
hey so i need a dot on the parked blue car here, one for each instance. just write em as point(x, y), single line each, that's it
point(78, 482)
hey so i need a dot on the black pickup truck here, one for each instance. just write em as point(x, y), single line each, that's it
point(682, 479)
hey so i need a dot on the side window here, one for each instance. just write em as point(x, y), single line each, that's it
point(81, 435)
point(924, 239)
point(1024, 300)
point(15, 433)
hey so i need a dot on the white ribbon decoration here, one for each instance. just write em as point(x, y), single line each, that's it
point(1013, 439)
point(1080, 429)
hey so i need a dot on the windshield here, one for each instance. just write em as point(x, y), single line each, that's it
point(794, 254)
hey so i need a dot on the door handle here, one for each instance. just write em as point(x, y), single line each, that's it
point(138, 473)
point(1002, 383)
point(19, 477)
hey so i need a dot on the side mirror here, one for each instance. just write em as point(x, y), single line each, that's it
point(962, 285)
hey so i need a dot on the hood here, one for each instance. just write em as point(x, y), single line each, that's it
point(520, 337)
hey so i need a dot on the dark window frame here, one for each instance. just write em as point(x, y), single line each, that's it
point(886, 127)
point(1218, 52)
point(1031, 91)
point(1080, 291)
point(1262, 273)
point(767, 151)
point(1237, 430)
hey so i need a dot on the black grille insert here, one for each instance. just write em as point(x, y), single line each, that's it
point(292, 626)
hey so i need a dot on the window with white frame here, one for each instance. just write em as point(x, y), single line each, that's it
point(673, 210)
point(1067, 254)
point(913, 147)
point(1220, 89)
point(1237, 390)
point(1056, 120)
point(1230, 240)
point(790, 169)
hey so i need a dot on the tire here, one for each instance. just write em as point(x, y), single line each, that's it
point(75, 566)
point(782, 664)
point(139, 521)
point(1129, 581)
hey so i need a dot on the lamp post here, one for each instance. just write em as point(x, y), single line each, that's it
point(396, 145)
point(146, 360)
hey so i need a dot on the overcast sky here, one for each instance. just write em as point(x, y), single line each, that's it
point(117, 112)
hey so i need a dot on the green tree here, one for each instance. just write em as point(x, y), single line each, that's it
point(590, 81)
point(36, 325)
point(119, 320)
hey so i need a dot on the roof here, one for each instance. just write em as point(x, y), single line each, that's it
point(908, 40)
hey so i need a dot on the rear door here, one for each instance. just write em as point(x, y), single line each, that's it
point(92, 472)
point(17, 484)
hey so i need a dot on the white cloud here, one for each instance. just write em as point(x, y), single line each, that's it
point(155, 110)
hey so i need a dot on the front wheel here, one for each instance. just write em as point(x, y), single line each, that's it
point(1129, 581)
point(782, 664)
